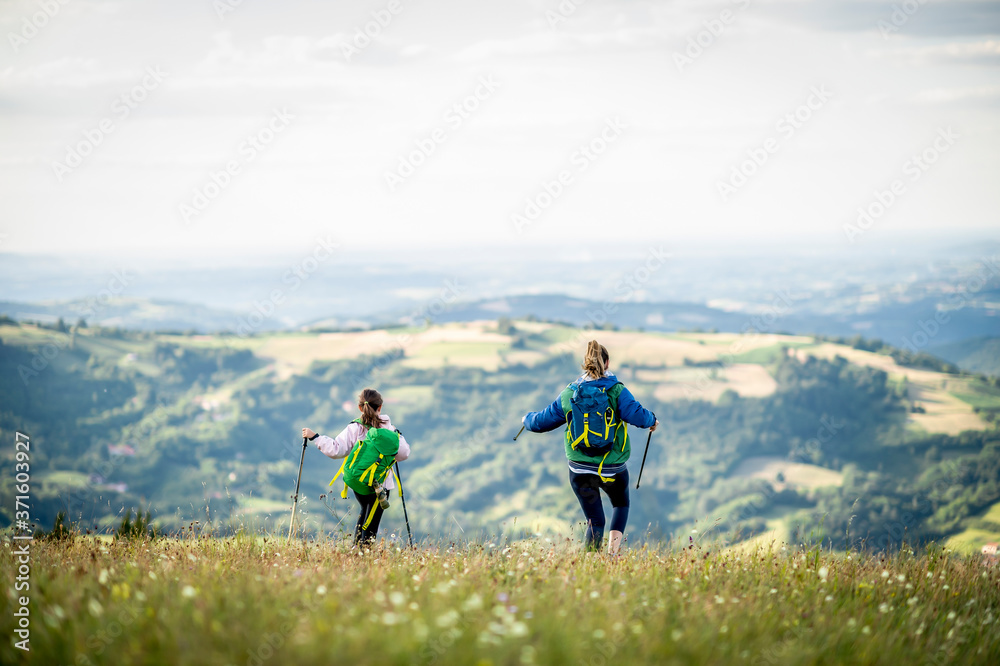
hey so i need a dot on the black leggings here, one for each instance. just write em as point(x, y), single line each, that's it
point(362, 535)
point(588, 489)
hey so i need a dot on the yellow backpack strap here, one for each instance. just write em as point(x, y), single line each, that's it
point(601, 467)
point(371, 514)
point(399, 484)
point(370, 473)
point(339, 471)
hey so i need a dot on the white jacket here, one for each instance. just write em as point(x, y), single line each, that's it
point(341, 445)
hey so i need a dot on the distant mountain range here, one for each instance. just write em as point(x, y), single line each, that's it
point(961, 336)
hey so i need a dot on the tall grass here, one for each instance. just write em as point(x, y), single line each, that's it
point(256, 599)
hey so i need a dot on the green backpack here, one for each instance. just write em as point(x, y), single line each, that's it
point(369, 460)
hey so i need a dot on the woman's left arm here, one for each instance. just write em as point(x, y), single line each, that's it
point(632, 412)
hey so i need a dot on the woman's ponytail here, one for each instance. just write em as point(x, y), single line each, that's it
point(595, 361)
point(370, 401)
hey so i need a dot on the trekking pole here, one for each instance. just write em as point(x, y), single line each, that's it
point(518, 433)
point(295, 497)
point(402, 498)
point(643, 459)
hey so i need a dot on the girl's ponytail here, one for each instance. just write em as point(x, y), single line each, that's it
point(595, 361)
point(370, 401)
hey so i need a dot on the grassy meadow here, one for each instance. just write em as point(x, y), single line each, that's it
point(260, 600)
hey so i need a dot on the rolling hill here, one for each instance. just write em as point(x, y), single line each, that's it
point(760, 433)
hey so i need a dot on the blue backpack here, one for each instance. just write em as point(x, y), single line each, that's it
point(594, 418)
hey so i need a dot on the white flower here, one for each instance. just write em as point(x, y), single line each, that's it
point(188, 592)
point(883, 608)
point(448, 619)
point(885, 574)
point(321, 590)
point(397, 598)
point(900, 577)
point(829, 598)
point(823, 572)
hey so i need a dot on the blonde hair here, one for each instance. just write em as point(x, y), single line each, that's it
point(370, 401)
point(595, 361)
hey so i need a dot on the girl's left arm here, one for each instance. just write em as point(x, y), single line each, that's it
point(404, 448)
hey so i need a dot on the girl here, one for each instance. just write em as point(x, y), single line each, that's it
point(350, 439)
point(595, 410)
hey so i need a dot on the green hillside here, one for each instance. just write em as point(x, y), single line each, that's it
point(760, 434)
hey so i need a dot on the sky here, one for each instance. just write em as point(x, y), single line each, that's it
point(222, 128)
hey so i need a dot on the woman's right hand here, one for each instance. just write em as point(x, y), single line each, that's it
point(653, 427)
point(307, 433)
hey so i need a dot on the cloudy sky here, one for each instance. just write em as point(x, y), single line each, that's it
point(120, 121)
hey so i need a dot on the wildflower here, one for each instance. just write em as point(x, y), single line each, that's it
point(103, 577)
point(951, 615)
point(823, 572)
point(900, 577)
point(95, 608)
point(188, 592)
point(883, 608)
point(389, 618)
point(676, 634)
point(518, 629)
point(448, 619)
point(774, 590)
point(885, 574)
point(321, 590)
point(911, 601)
point(829, 598)
point(474, 602)
point(866, 630)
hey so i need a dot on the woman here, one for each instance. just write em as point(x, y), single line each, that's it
point(595, 410)
point(369, 473)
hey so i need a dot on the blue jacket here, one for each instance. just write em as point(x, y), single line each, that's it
point(629, 410)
